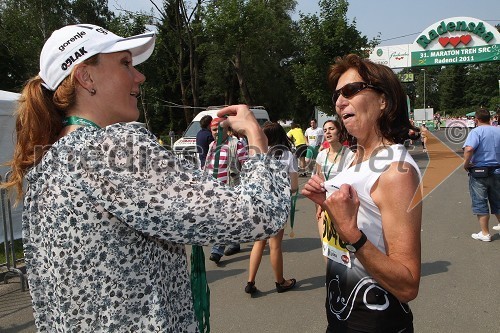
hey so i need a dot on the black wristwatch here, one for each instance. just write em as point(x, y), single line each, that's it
point(357, 245)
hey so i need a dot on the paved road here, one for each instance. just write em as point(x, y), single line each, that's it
point(459, 287)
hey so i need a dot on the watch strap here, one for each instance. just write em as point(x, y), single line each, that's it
point(360, 242)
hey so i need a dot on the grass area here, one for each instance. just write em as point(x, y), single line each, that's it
point(18, 249)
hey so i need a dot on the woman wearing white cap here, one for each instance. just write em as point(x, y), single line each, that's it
point(107, 211)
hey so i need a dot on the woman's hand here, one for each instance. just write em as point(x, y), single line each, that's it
point(342, 206)
point(242, 121)
point(319, 211)
point(239, 118)
point(315, 190)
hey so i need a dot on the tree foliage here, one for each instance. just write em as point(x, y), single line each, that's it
point(321, 40)
point(213, 52)
point(26, 24)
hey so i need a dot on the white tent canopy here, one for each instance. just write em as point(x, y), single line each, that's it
point(8, 103)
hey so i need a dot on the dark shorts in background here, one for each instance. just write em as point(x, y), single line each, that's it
point(300, 151)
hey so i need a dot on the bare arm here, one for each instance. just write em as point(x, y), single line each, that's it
point(468, 152)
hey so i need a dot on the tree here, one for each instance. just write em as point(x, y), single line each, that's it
point(482, 84)
point(322, 39)
point(24, 26)
point(452, 86)
point(92, 12)
point(246, 43)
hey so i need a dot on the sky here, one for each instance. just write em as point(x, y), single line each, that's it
point(391, 19)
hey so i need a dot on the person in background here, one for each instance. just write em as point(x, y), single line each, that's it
point(329, 163)
point(374, 268)
point(299, 140)
point(424, 135)
point(314, 139)
point(482, 162)
point(232, 154)
point(105, 225)
point(437, 121)
point(279, 148)
point(203, 139)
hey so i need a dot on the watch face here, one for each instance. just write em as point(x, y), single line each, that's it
point(350, 248)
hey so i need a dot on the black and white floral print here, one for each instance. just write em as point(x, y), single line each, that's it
point(107, 214)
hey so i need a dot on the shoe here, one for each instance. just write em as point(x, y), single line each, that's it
point(232, 250)
point(215, 257)
point(496, 227)
point(282, 287)
point(250, 288)
point(481, 237)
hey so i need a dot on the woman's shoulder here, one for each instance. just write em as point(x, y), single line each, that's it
point(322, 156)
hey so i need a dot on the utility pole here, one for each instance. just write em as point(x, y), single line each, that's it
point(425, 107)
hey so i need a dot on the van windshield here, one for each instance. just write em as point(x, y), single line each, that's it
point(192, 129)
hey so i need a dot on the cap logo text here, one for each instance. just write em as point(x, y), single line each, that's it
point(78, 54)
point(78, 35)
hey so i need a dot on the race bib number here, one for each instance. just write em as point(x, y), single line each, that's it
point(333, 247)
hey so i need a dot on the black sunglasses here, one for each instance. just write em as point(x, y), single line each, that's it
point(352, 89)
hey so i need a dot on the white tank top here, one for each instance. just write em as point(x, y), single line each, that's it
point(362, 177)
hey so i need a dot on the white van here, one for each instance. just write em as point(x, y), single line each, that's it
point(185, 147)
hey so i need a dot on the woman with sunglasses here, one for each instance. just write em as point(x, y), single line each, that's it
point(374, 269)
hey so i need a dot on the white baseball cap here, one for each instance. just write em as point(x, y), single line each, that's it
point(73, 44)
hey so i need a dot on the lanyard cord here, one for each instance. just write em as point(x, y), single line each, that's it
point(218, 147)
point(74, 120)
point(333, 163)
point(199, 285)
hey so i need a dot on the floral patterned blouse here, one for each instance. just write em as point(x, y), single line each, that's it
point(107, 215)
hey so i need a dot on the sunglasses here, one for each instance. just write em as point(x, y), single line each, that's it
point(352, 89)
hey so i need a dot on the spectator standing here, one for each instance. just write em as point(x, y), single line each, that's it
point(437, 121)
point(299, 140)
point(233, 153)
point(314, 139)
point(424, 135)
point(329, 163)
point(171, 134)
point(374, 268)
point(104, 227)
point(482, 162)
point(279, 148)
point(203, 139)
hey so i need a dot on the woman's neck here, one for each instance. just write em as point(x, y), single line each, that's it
point(366, 150)
point(334, 147)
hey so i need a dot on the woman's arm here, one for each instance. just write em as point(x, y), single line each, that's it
point(161, 196)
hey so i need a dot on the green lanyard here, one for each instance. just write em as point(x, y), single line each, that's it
point(326, 160)
point(74, 120)
point(218, 147)
point(200, 290)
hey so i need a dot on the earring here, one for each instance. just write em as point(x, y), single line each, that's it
point(92, 92)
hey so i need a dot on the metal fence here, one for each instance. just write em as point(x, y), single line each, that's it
point(11, 261)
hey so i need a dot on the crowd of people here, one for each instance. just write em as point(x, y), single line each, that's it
point(92, 191)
